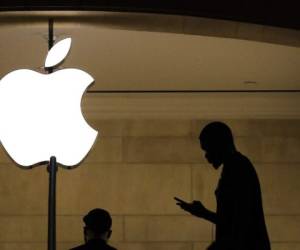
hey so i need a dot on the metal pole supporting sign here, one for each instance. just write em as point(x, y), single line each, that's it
point(52, 169)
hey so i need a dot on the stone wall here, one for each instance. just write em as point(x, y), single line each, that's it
point(135, 170)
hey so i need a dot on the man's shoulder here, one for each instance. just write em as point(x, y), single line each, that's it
point(241, 162)
point(108, 247)
point(85, 247)
point(241, 169)
point(81, 247)
point(239, 157)
point(245, 171)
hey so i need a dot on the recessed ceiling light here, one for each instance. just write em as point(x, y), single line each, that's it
point(250, 82)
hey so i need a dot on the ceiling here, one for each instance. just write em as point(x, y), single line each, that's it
point(158, 53)
point(265, 12)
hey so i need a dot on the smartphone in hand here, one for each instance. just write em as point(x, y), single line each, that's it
point(180, 200)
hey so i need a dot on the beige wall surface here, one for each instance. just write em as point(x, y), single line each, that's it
point(135, 169)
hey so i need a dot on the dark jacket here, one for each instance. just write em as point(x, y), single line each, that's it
point(240, 217)
point(94, 245)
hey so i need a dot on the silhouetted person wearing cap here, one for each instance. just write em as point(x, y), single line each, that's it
point(239, 218)
point(97, 230)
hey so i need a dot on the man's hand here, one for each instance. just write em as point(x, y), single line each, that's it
point(195, 208)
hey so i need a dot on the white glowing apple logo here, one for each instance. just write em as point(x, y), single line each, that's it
point(40, 114)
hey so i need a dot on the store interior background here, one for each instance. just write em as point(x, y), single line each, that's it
point(147, 151)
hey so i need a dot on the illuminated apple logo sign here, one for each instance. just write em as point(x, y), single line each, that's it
point(40, 114)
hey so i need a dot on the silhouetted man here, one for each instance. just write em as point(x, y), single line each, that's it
point(239, 218)
point(97, 230)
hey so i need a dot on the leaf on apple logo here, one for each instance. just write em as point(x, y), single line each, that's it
point(58, 53)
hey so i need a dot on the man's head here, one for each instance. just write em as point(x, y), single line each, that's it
point(97, 225)
point(217, 141)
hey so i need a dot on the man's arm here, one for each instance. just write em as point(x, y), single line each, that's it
point(210, 216)
point(196, 208)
